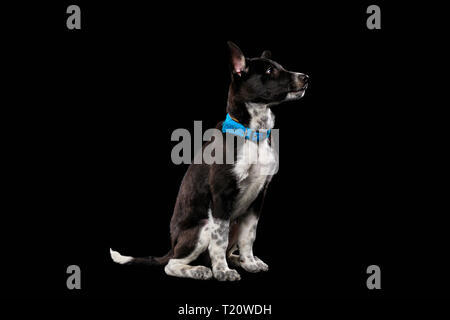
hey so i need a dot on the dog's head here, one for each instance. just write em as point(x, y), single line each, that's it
point(262, 80)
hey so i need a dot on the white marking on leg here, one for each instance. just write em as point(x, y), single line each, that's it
point(181, 267)
point(217, 250)
point(246, 238)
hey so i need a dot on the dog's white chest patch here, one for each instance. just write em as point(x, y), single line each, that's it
point(256, 164)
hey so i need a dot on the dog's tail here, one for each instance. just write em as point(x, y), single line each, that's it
point(148, 261)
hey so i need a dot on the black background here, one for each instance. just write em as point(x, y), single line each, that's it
point(88, 123)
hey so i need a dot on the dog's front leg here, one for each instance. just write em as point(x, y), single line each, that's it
point(246, 237)
point(217, 250)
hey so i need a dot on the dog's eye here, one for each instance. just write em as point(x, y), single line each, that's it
point(269, 70)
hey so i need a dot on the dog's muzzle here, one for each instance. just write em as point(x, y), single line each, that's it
point(299, 84)
point(301, 81)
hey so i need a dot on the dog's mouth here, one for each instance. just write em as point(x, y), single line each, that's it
point(297, 93)
point(301, 89)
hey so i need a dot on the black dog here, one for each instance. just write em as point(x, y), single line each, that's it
point(218, 205)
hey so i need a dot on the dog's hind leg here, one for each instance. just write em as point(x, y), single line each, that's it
point(190, 244)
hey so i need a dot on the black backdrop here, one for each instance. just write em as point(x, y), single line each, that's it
point(89, 125)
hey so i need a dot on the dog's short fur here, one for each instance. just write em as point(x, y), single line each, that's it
point(218, 205)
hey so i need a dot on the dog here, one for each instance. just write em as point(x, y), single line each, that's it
point(219, 205)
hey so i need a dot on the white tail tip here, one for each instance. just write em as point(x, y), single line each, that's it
point(118, 258)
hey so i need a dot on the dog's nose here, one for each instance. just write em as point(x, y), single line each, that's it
point(304, 78)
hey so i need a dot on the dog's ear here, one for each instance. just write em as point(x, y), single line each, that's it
point(237, 59)
point(266, 54)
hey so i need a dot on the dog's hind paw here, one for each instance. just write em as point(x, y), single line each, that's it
point(201, 273)
point(227, 275)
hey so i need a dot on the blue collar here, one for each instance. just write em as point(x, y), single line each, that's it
point(233, 127)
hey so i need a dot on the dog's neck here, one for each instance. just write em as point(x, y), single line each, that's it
point(255, 116)
point(261, 117)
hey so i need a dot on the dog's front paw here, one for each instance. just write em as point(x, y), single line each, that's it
point(262, 266)
point(226, 275)
point(254, 265)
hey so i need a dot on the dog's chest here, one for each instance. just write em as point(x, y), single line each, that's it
point(256, 164)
